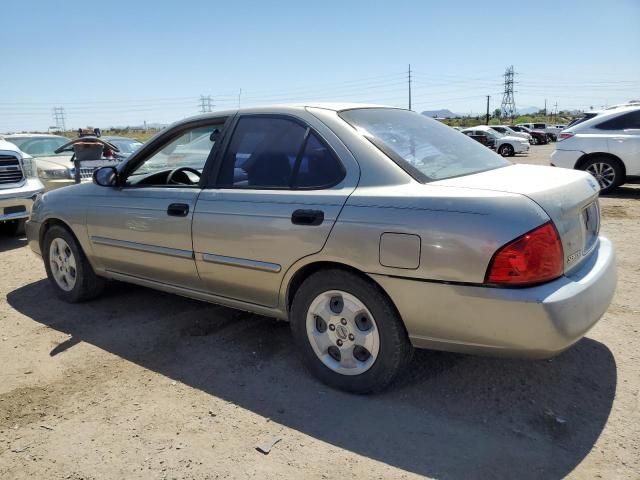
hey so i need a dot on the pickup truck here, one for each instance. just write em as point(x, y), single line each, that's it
point(19, 186)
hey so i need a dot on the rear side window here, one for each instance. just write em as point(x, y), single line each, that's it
point(629, 120)
point(269, 152)
point(540, 126)
point(423, 147)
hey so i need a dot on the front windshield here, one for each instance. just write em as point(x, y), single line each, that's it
point(425, 148)
point(40, 146)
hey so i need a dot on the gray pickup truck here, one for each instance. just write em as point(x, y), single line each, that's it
point(19, 186)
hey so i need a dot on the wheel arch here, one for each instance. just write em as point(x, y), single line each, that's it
point(305, 271)
point(589, 156)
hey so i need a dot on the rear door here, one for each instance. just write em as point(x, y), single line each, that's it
point(624, 139)
point(273, 200)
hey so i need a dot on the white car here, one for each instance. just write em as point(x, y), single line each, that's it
point(506, 130)
point(607, 146)
point(19, 186)
point(552, 131)
point(505, 145)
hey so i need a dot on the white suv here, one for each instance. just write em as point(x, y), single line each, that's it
point(607, 146)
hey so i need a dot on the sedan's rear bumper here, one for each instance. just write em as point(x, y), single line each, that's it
point(537, 322)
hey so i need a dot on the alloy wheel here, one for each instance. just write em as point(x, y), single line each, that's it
point(342, 332)
point(63, 264)
point(603, 173)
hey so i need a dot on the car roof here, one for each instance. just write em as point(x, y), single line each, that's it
point(32, 135)
point(605, 115)
point(114, 137)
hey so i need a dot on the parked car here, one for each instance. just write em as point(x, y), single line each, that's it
point(371, 230)
point(56, 170)
point(551, 131)
point(607, 146)
point(481, 136)
point(505, 145)
point(506, 130)
point(538, 137)
point(19, 186)
point(126, 146)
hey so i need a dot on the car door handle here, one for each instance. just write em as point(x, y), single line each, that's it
point(178, 210)
point(307, 217)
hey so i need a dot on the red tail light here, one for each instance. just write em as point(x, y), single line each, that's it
point(565, 135)
point(535, 257)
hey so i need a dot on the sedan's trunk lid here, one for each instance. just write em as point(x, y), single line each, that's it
point(569, 197)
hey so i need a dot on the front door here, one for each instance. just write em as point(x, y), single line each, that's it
point(279, 190)
point(143, 227)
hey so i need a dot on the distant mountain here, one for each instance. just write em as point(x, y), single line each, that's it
point(443, 113)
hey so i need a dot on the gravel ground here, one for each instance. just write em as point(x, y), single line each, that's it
point(140, 384)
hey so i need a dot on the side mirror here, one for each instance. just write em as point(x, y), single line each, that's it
point(105, 176)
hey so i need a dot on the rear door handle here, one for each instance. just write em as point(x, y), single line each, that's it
point(178, 210)
point(307, 217)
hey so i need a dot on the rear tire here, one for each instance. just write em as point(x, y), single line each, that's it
point(68, 269)
point(607, 171)
point(534, 141)
point(348, 332)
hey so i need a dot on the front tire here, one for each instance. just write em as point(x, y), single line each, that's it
point(607, 171)
point(68, 269)
point(506, 150)
point(349, 333)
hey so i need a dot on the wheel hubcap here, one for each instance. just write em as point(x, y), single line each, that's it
point(63, 264)
point(343, 333)
point(603, 173)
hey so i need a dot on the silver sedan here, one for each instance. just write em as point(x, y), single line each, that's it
point(372, 230)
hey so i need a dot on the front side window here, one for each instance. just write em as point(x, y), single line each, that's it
point(188, 152)
point(425, 148)
point(269, 152)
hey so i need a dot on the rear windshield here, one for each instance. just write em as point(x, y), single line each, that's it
point(425, 148)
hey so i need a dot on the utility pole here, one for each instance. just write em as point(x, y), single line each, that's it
point(239, 97)
point(488, 97)
point(58, 116)
point(556, 109)
point(508, 101)
point(409, 86)
point(545, 107)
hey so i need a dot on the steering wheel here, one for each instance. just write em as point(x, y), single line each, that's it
point(171, 179)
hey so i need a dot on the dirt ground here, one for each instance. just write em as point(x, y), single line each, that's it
point(141, 384)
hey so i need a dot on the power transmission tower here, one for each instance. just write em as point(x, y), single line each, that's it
point(508, 102)
point(205, 104)
point(409, 86)
point(58, 117)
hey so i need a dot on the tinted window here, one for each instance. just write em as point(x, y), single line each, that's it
point(318, 167)
point(425, 148)
point(622, 122)
point(541, 126)
point(262, 153)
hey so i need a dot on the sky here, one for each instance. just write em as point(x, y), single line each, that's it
point(124, 63)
